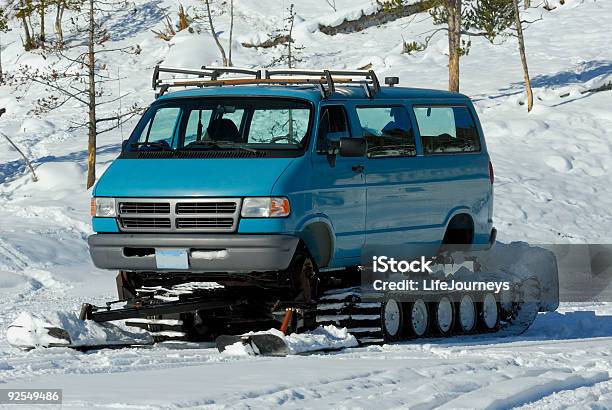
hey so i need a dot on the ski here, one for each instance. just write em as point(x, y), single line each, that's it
point(262, 344)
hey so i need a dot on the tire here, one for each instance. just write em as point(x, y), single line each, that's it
point(467, 314)
point(489, 312)
point(303, 274)
point(418, 318)
point(392, 320)
point(126, 285)
point(443, 316)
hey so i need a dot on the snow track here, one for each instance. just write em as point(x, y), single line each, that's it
point(462, 373)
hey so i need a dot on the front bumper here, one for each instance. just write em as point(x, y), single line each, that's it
point(243, 253)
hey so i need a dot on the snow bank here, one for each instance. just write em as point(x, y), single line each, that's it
point(513, 392)
point(30, 330)
point(322, 338)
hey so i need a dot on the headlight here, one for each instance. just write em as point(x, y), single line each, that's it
point(103, 207)
point(265, 207)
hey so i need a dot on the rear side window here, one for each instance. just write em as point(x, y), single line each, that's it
point(446, 129)
point(388, 131)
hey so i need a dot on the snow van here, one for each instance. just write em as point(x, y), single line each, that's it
point(272, 177)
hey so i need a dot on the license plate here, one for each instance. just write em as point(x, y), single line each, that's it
point(171, 259)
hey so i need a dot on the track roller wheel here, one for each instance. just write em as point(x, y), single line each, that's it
point(443, 316)
point(393, 318)
point(418, 317)
point(466, 314)
point(489, 312)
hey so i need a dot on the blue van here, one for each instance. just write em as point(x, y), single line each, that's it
point(289, 171)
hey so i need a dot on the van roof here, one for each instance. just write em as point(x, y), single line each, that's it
point(311, 93)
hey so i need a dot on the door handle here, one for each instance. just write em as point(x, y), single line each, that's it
point(358, 168)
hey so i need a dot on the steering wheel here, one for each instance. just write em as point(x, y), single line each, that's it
point(289, 139)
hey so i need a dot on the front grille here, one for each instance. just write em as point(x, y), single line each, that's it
point(199, 223)
point(206, 208)
point(146, 223)
point(173, 215)
point(144, 208)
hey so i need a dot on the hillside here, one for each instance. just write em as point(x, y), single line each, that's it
point(552, 185)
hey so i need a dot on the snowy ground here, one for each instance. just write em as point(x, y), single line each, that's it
point(552, 186)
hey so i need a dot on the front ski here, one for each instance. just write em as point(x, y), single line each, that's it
point(262, 344)
point(30, 331)
point(26, 338)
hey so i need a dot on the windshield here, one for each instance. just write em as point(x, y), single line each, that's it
point(228, 124)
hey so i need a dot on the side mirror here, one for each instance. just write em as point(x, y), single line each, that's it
point(335, 137)
point(353, 147)
point(124, 144)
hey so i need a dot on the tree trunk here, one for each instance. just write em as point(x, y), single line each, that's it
point(91, 148)
point(231, 33)
point(42, 8)
point(454, 43)
point(521, 44)
point(1, 75)
point(215, 36)
point(291, 21)
point(27, 36)
point(59, 15)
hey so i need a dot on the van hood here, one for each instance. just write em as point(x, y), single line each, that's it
point(226, 177)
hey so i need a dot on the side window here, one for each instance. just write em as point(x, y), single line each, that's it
point(447, 129)
point(388, 131)
point(196, 125)
point(161, 127)
point(333, 119)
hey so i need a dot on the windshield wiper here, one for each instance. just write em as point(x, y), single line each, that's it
point(215, 145)
point(162, 146)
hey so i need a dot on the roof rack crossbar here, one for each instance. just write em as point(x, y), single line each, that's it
point(211, 72)
point(208, 76)
point(367, 75)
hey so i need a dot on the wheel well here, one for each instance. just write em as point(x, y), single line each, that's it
point(318, 240)
point(459, 231)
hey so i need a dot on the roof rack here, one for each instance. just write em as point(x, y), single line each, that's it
point(210, 77)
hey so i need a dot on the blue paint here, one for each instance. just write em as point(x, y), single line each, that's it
point(104, 224)
point(396, 200)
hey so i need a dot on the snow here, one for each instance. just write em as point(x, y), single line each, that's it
point(33, 330)
point(552, 185)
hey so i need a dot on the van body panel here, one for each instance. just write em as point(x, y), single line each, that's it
point(223, 177)
point(338, 205)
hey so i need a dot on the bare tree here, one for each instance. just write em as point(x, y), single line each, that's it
point(170, 29)
point(527, 4)
point(42, 11)
point(449, 13)
point(3, 29)
point(231, 33)
point(453, 9)
point(226, 62)
point(91, 103)
point(60, 7)
point(290, 55)
point(23, 12)
point(76, 74)
point(332, 4)
point(25, 158)
point(521, 45)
